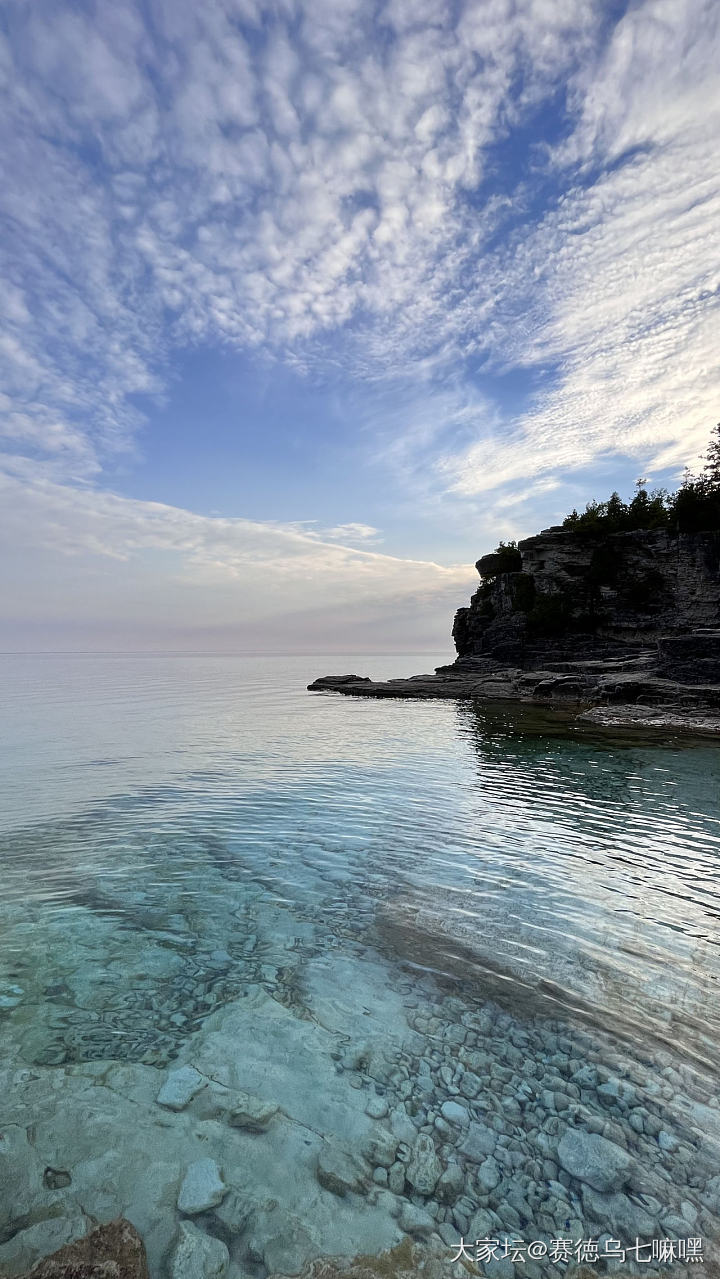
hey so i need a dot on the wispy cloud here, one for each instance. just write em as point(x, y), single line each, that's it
point(233, 174)
point(616, 289)
point(429, 198)
point(168, 562)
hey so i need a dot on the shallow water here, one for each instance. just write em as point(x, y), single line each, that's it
point(345, 906)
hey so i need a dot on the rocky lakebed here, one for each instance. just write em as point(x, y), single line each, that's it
point(315, 1101)
point(389, 983)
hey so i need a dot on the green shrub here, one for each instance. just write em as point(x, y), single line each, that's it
point(510, 559)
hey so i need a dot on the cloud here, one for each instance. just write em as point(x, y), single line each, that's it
point(426, 199)
point(616, 289)
point(96, 555)
point(362, 533)
point(229, 174)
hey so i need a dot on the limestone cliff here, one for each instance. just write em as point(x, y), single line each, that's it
point(623, 626)
point(565, 594)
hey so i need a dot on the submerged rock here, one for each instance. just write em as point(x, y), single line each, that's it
point(451, 1184)
point(376, 1108)
point(202, 1188)
point(415, 1221)
point(338, 1171)
point(594, 1160)
point(198, 1255)
point(424, 1168)
point(619, 1213)
point(180, 1087)
point(11, 996)
point(454, 1113)
point(41, 1239)
point(488, 1174)
point(381, 1147)
point(404, 1261)
point(287, 1252)
point(234, 1212)
point(251, 1112)
point(479, 1142)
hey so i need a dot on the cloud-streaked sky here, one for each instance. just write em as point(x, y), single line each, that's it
point(305, 305)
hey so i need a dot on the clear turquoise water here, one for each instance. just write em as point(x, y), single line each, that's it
point(179, 834)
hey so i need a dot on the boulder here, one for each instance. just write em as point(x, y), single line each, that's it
point(594, 1160)
point(252, 1113)
point(424, 1168)
point(451, 1184)
point(198, 1255)
point(415, 1221)
point(454, 1113)
point(488, 1174)
point(626, 1218)
point(479, 1142)
point(180, 1087)
point(381, 1147)
point(338, 1171)
point(202, 1187)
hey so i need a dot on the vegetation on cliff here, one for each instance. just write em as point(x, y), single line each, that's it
point(693, 508)
point(586, 576)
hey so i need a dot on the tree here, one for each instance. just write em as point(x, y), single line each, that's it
point(694, 508)
point(711, 470)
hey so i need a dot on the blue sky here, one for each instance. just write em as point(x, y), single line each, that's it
point(307, 304)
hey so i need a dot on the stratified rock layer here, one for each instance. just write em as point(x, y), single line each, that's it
point(623, 627)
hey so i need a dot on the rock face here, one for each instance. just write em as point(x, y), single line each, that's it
point(623, 627)
point(575, 593)
point(112, 1251)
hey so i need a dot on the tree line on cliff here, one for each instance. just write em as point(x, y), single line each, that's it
point(694, 507)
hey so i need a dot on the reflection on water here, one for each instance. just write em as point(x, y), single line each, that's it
point(451, 949)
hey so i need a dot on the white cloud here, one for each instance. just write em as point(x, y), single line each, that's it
point(319, 182)
point(171, 566)
point(191, 189)
point(617, 288)
point(361, 533)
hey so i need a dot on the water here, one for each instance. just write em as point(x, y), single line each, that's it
point(446, 950)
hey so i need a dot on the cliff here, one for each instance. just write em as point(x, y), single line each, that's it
point(623, 626)
point(565, 595)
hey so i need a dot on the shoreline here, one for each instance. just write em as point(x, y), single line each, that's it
point(588, 699)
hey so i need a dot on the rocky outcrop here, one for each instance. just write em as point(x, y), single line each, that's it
point(624, 627)
point(583, 595)
point(112, 1251)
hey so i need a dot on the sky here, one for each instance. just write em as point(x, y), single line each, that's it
point(307, 304)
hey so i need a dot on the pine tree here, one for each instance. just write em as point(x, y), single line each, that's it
point(711, 470)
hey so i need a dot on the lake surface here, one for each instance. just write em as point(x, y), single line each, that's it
point(433, 970)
